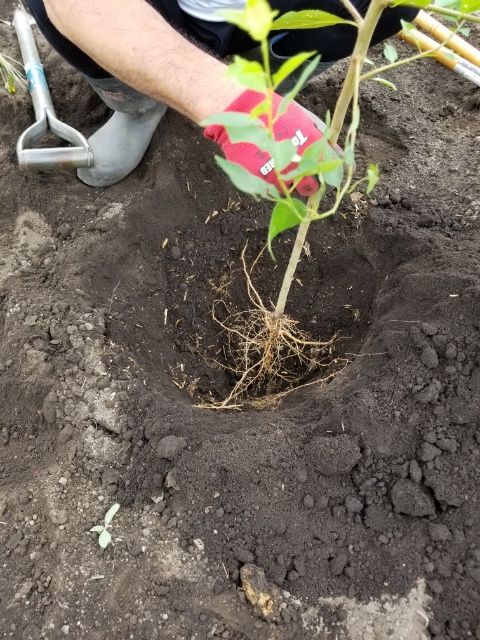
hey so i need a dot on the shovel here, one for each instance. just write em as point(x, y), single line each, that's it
point(49, 158)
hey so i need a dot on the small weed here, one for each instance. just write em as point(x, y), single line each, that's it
point(104, 536)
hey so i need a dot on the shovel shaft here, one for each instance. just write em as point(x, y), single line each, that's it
point(37, 82)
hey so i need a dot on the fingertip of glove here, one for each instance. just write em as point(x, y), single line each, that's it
point(307, 186)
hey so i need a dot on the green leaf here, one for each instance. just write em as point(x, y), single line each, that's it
point(308, 19)
point(386, 83)
point(313, 163)
point(349, 156)
point(407, 26)
point(111, 513)
point(97, 529)
point(285, 216)
point(465, 31)
point(260, 109)
point(411, 3)
point(250, 73)
point(314, 170)
point(289, 66)
point(334, 177)
point(355, 123)
point(104, 539)
point(229, 118)
point(368, 61)
point(390, 53)
point(306, 73)
point(246, 181)
point(256, 18)
point(469, 6)
point(373, 175)
point(283, 153)
point(241, 127)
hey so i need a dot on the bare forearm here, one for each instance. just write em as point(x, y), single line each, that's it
point(134, 43)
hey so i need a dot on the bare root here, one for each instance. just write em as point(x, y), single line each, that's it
point(264, 352)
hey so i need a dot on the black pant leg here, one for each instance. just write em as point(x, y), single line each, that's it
point(337, 41)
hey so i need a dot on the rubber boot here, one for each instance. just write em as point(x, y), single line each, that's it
point(119, 146)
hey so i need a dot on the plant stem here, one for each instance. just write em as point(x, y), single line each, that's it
point(291, 268)
point(352, 11)
point(359, 54)
point(444, 11)
point(313, 203)
point(399, 63)
point(349, 90)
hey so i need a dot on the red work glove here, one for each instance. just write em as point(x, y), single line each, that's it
point(293, 125)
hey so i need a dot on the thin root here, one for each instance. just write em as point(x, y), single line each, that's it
point(265, 352)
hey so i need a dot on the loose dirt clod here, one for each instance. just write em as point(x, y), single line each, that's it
point(263, 595)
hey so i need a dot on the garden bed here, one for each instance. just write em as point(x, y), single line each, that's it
point(359, 499)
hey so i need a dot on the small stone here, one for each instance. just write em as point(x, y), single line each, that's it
point(353, 504)
point(429, 329)
point(447, 444)
point(308, 501)
point(66, 629)
point(175, 252)
point(263, 595)
point(244, 555)
point(293, 575)
point(435, 586)
point(415, 471)
point(408, 498)
point(383, 539)
point(429, 357)
point(63, 481)
point(439, 532)
point(24, 590)
point(338, 564)
point(428, 452)
point(336, 455)
point(170, 446)
point(451, 351)
point(59, 516)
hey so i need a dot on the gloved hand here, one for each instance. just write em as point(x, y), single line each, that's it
point(294, 124)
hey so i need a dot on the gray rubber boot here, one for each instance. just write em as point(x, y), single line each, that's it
point(119, 146)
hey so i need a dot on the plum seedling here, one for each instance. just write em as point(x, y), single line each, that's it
point(263, 341)
point(104, 536)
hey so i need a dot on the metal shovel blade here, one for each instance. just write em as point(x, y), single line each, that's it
point(51, 158)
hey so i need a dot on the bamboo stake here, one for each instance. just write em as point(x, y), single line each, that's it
point(443, 55)
point(443, 34)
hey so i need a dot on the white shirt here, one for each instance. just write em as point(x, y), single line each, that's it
point(205, 9)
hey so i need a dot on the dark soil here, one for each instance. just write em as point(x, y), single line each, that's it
point(360, 500)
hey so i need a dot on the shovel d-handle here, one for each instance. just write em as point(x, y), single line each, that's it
point(48, 158)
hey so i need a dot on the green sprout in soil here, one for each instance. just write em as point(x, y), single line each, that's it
point(11, 74)
point(104, 535)
point(262, 342)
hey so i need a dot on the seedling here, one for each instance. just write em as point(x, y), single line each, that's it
point(10, 73)
point(104, 536)
point(264, 342)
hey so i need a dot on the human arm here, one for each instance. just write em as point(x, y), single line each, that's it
point(134, 43)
